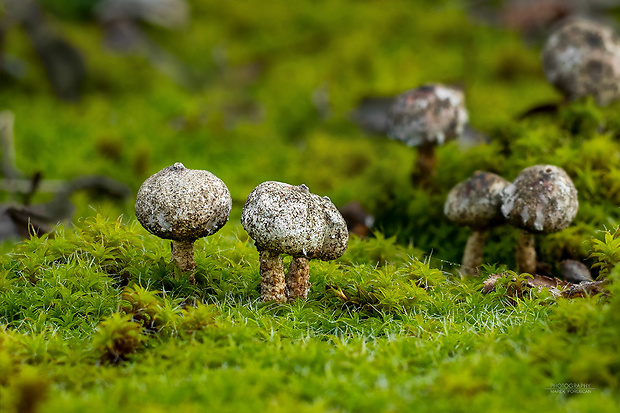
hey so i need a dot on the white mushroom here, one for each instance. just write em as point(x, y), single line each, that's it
point(287, 219)
point(476, 203)
point(542, 199)
point(582, 58)
point(426, 117)
point(183, 205)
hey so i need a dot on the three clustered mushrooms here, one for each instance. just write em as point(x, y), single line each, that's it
point(542, 199)
point(184, 205)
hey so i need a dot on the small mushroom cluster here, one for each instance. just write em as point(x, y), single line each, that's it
point(287, 219)
point(184, 205)
point(542, 199)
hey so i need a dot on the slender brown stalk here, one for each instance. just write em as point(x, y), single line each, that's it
point(272, 281)
point(183, 256)
point(526, 253)
point(424, 169)
point(472, 257)
point(298, 279)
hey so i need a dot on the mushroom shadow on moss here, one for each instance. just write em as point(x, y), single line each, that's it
point(287, 219)
point(183, 205)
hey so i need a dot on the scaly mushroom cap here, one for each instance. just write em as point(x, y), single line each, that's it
point(430, 114)
point(476, 202)
point(582, 58)
point(541, 199)
point(287, 219)
point(183, 204)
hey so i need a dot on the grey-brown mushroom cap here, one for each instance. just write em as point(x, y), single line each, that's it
point(430, 114)
point(542, 199)
point(476, 202)
point(183, 204)
point(582, 58)
point(287, 219)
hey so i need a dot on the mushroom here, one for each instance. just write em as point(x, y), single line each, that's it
point(425, 118)
point(183, 205)
point(476, 203)
point(542, 199)
point(287, 219)
point(582, 58)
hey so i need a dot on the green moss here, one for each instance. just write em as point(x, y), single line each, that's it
point(390, 326)
point(391, 333)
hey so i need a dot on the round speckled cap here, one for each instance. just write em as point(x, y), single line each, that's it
point(287, 219)
point(476, 201)
point(541, 199)
point(430, 114)
point(582, 58)
point(183, 204)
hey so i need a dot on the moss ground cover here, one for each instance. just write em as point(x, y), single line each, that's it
point(95, 318)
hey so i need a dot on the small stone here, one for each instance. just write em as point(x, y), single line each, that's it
point(575, 271)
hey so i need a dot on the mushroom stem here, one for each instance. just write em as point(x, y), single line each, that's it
point(183, 256)
point(298, 279)
point(272, 281)
point(526, 253)
point(472, 256)
point(424, 169)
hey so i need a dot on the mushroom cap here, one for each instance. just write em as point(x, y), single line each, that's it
point(541, 199)
point(287, 219)
point(582, 58)
point(430, 114)
point(476, 202)
point(183, 204)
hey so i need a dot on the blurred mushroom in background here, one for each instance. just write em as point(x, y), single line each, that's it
point(476, 203)
point(427, 117)
point(542, 199)
point(582, 58)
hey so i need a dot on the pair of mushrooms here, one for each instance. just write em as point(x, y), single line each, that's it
point(184, 205)
point(542, 199)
